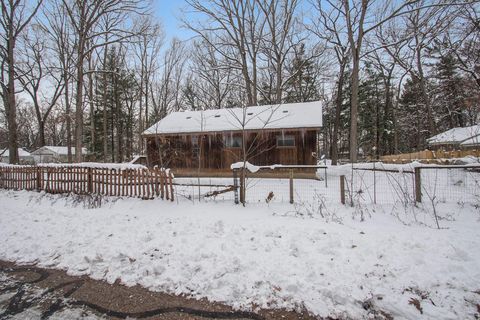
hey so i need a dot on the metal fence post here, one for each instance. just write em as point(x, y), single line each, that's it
point(374, 184)
point(342, 189)
point(326, 178)
point(418, 185)
point(235, 184)
point(291, 185)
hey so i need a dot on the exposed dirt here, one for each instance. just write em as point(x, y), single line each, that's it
point(50, 292)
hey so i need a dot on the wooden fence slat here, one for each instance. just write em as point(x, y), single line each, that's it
point(122, 174)
point(118, 182)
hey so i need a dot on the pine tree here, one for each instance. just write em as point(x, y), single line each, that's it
point(302, 86)
point(411, 119)
point(114, 123)
point(449, 94)
point(371, 115)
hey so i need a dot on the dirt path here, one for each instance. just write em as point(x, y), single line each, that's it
point(29, 292)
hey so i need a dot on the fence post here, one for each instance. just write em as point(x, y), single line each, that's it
point(418, 185)
point(235, 184)
point(39, 178)
point(170, 176)
point(342, 189)
point(291, 185)
point(89, 181)
point(242, 186)
point(374, 184)
point(326, 178)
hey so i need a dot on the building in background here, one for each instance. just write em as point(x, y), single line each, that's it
point(211, 140)
point(25, 156)
point(456, 139)
point(54, 154)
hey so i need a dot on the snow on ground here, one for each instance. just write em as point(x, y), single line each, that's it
point(260, 255)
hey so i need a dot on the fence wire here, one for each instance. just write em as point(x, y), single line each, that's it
point(459, 185)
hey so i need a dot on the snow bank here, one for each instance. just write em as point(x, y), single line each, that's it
point(248, 257)
point(97, 165)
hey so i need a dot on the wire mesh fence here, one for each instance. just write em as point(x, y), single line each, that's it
point(450, 184)
point(362, 183)
point(380, 186)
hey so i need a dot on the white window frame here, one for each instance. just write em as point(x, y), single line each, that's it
point(284, 138)
point(229, 141)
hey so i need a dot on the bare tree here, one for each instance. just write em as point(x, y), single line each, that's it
point(360, 19)
point(212, 79)
point(62, 40)
point(166, 90)
point(235, 30)
point(40, 72)
point(14, 19)
point(146, 47)
point(328, 27)
point(281, 37)
point(463, 40)
point(85, 16)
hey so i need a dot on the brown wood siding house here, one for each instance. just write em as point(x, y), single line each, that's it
point(212, 139)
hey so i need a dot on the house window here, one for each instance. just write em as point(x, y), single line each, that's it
point(195, 141)
point(285, 141)
point(232, 141)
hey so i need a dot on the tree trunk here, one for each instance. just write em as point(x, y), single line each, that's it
point(41, 133)
point(425, 97)
point(69, 119)
point(79, 102)
point(11, 106)
point(105, 114)
point(92, 105)
point(338, 111)
point(354, 106)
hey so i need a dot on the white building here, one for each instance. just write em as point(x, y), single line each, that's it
point(456, 138)
point(25, 156)
point(56, 154)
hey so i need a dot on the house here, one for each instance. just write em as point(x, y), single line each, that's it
point(213, 139)
point(25, 156)
point(139, 159)
point(54, 154)
point(456, 138)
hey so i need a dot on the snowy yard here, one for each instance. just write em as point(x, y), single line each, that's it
point(262, 255)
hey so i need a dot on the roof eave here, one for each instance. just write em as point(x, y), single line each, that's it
point(316, 128)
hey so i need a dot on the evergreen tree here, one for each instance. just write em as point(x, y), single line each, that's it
point(449, 94)
point(302, 86)
point(116, 93)
point(371, 120)
point(412, 120)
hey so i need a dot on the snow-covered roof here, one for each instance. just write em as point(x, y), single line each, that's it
point(278, 116)
point(455, 135)
point(21, 153)
point(474, 141)
point(57, 149)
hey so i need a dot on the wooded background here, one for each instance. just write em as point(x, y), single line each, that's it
point(97, 73)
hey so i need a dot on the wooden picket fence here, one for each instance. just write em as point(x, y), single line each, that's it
point(139, 182)
point(429, 156)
